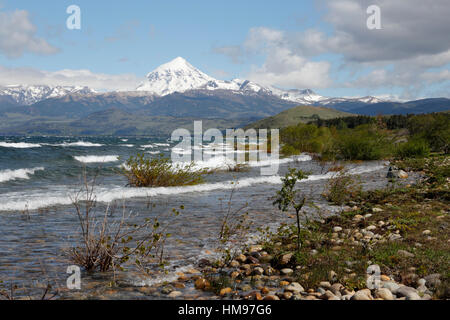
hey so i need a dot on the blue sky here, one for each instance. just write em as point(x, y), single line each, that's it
point(324, 45)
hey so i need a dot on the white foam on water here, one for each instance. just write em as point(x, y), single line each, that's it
point(96, 159)
point(8, 175)
point(19, 145)
point(61, 195)
point(224, 163)
point(78, 144)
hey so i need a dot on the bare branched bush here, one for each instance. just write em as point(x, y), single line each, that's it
point(342, 187)
point(234, 229)
point(106, 242)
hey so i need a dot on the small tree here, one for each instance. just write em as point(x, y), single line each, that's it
point(288, 197)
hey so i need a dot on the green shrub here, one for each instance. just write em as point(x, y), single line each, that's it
point(342, 188)
point(159, 172)
point(365, 142)
point(289, 150)
point(415, 148)
point(434, 128)
point(305, 138)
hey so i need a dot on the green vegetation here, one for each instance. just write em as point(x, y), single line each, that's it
point(365, 142)
point(342, 188)
point(300, 114)
point(417, 216)
point(159, 172)
point(370, 138)
point(414, 148)
point(288, 197)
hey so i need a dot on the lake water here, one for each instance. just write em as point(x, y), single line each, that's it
point(39, 175)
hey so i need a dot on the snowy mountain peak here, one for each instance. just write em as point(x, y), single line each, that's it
point(177, 75)
point(27, 95)
point(180, 76)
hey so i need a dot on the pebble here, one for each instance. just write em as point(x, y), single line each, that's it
point(258, 271)
point(363, 294)
point(225, 291)
point(287, 295)
point(384, 277)
point(179, 285)
point(285, 259)
point(252, 260)
point(271, 298)
point(328, 295)
point(337, 229)
point(201, 283)
point(426, 232)
point(336, 288)
point(433, 280)
point(255, 248)
point(391, 286)
point(287, 271)
point(234, 264)
point(174, 294)
point(325, 284)
point(294, 287)
point(384, 294)
point(265, 290)
point(408, 292)
point(421, 282)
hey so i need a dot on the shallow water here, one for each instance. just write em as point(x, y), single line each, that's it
point(37, 221)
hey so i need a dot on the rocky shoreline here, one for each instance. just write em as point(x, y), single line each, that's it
point(402, 234)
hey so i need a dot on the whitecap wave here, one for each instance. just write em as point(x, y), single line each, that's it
point(79, 144)
point(96, 159)
point(19, 145)
point(8, 175)
point(61, 195)
point(224, 163)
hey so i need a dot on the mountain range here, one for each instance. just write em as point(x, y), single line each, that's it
point(174, 93)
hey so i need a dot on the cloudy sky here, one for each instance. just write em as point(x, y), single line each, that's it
point(322, 45)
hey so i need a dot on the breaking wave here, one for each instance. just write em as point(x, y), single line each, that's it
point(19, 145)
point(96, 159)
point(8, 175)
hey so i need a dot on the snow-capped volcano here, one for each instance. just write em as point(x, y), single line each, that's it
point(27, 95)
point(177, 75)
point(180, 76)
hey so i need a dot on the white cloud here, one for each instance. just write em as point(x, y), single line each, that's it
point(286, 69)
point(18, 36)
point(283, 66)
point(411, 52)
point(67, 77)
